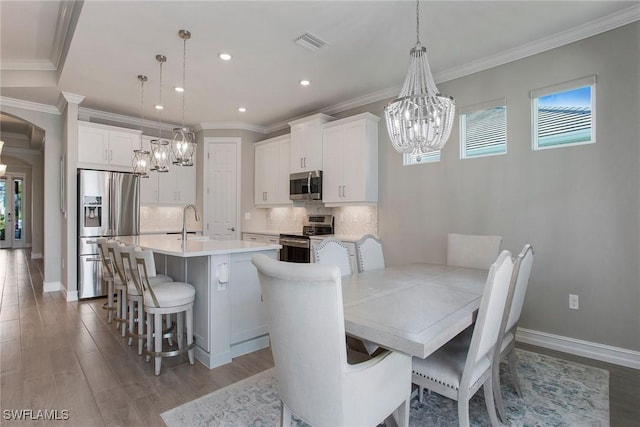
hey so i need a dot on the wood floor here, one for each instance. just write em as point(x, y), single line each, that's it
point(64, 356)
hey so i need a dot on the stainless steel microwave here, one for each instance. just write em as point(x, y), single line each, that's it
point(305, 186)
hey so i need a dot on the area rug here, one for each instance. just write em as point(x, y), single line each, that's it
point(556, 393)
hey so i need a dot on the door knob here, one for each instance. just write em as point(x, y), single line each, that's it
point(231, 229)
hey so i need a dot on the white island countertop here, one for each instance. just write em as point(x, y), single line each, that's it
point(194, 246)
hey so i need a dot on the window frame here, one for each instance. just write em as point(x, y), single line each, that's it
point(476, 108)
point(535, 94)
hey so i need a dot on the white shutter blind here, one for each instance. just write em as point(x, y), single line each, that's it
point(483, 129)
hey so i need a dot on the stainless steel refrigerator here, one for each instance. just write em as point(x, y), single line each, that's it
point(108, 206)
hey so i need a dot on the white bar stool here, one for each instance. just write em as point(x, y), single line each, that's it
point(107, 278)
point(170, 298)
point(120, 286)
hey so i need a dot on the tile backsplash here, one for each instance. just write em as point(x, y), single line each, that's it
point(164, 219)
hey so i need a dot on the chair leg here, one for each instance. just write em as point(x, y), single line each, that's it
point(131, 320)
point(110, 303)
point(402, 418)
point(420, 394)
point(497, 391)
point(488, 398)
point(141, 323)
point(514, 372)
point(189, 321)
point(180, 329)
point(125, 304)
point(157, 327)
point(285, 418)
point(463, 412)
point(149, 333)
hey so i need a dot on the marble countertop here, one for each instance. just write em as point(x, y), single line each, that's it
point(194, 246)
point(343, 237)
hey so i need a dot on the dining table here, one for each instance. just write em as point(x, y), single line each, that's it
point(414, 308)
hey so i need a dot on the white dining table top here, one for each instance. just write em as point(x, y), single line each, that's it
point(413, 309)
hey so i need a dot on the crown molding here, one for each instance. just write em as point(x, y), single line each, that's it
point(232, 125)
point(580, 32)
point(72, 98)
point(28, 105)
point(28, 65)
point(86, 114)
point(19, 150)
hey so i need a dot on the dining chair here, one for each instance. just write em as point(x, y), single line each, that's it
point(472, 251)
point(333, 252)
point(457, 370)
point(513, 309)
point(369, 254)
point(305, 315)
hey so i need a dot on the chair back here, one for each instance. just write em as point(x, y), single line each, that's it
point(127, 253)
point(333, 252)
point(306, 326)
point(113, 247)
point(490, 315)
point(472, 251)
point(104, 255)
point(369, 254)
point(521, 273)
point(144, 265)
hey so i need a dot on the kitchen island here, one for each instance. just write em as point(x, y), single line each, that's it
point(228, 315)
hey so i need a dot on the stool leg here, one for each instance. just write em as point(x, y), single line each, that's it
point(124, 313)
point(131, 320)
point(180, 332)
point(110, 300)
point(157, 326)
point(140, 326)
point(189, 320)
point(149, 333)
point(168, 323)
point(118, 308)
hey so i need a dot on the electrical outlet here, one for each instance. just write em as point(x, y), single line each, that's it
point(574, 302)
point(247, 216)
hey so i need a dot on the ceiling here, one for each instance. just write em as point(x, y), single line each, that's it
point(96, 49)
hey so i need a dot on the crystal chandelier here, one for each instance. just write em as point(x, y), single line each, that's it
point(184, 141)
point(420, 119)
point(141, 158)
point(160, 147)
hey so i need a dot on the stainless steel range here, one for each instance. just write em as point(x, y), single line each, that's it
point(297, 247)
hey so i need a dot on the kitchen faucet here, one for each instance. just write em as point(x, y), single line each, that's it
point(184, 220)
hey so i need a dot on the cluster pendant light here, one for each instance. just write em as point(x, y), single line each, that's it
point(160, 147)
point(183, 144)
point(420, 119)
point(141, 158)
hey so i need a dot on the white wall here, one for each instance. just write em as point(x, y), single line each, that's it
point(578, 206)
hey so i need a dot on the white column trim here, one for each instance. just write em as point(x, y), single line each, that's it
point(50, 286)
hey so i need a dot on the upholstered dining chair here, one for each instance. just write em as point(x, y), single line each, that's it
point(472, 251)
point(306, 326)
point(513, 309)
point(457, 370)
point(369, 254)
point(333, 252)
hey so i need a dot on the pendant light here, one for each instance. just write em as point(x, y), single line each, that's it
point(160, 147)
point(184, 142)
point(141, 158)
point(420, 119)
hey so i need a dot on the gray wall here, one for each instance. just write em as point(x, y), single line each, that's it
point(578, 206)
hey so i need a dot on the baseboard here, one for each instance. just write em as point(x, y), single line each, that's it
point(70, 295)
point(36, 255)
point(250, 346)
point(602, 352)
point(51, 286)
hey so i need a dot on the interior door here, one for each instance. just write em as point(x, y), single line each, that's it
point(11, 211)
point(222, 189)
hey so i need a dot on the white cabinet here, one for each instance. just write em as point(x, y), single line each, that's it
point(106, 147)
point(272, 172)
point(176, 187)
point(306, 143)
point(350, 155)
point(261, 238)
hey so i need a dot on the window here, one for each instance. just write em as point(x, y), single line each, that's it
point(564, 114)
point(415, 159)
point(483, 129)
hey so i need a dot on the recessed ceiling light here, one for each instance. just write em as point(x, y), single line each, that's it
point(159, 107)
point(305, 82)
point(242, 109)
point(178, 89)
point(224, 56)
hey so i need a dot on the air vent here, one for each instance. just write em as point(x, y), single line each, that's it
point(310, 42)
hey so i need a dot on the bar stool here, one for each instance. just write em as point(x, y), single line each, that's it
point(120, 285)
point(135, 292)
point(107, 278)
point(170, 298)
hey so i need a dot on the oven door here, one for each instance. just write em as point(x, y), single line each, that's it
point(295, 249)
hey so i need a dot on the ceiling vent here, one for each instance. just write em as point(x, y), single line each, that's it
point(310, 42)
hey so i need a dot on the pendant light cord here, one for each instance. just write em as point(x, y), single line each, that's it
point(184, 72)
point(417, 21)
point(141, 108)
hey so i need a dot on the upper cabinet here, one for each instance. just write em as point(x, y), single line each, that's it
point(306, 143)
point(106, 147)
point(350, 154)
point(175, 187)
point(272, 172)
